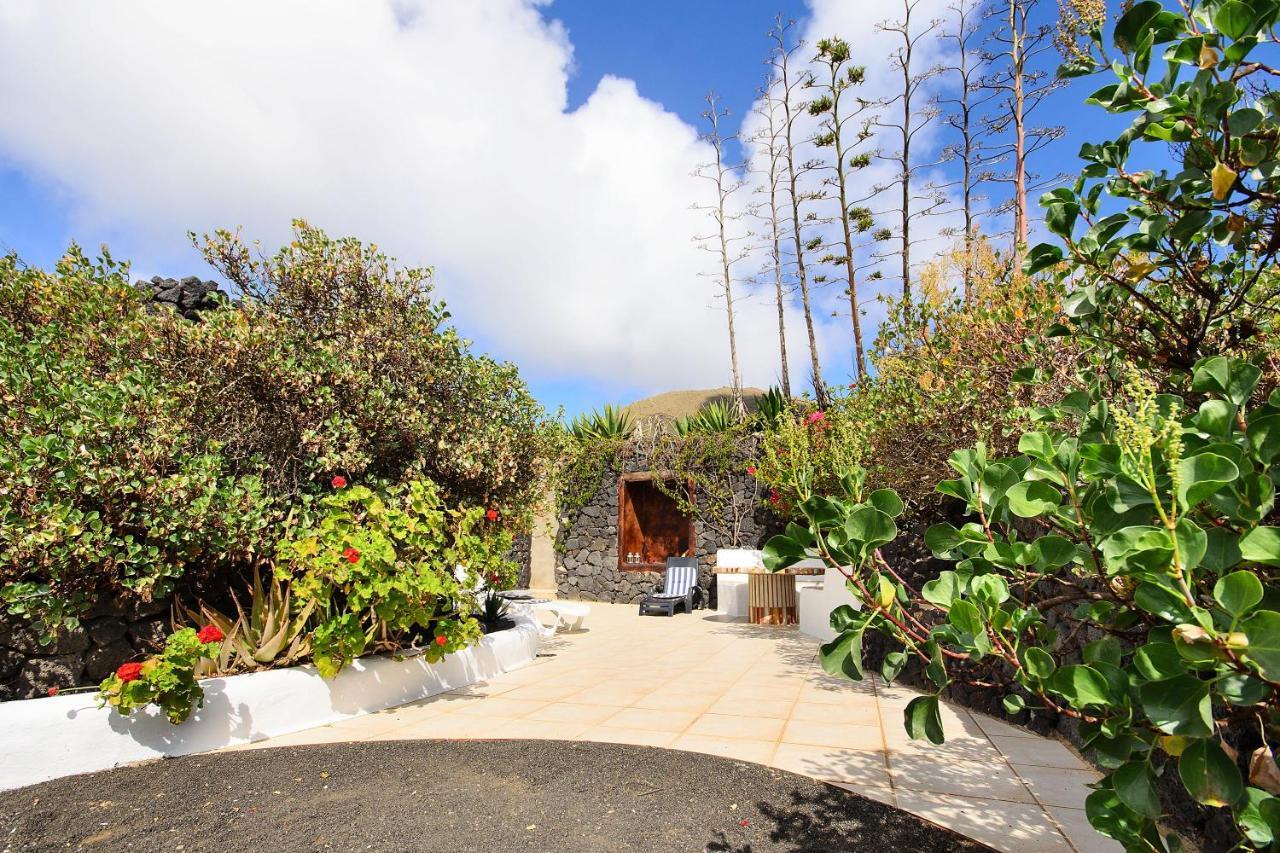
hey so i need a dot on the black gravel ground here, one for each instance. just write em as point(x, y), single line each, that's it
point(456, 795)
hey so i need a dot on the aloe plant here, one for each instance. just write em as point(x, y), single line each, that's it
point(771, 407)
point(267, 636)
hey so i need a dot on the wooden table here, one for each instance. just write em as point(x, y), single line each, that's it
point(771, 599)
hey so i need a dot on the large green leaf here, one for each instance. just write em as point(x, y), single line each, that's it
point(781, 552)
point(964, 615)
point(869, 528)
point(1209, 774)
point(1134, 784)
point(1258, 816)
point(1080, 685)
point(1157, 661)
point(1261, 545)
point(1202, 475)
point(887, 501)
point(1179, 706)
point(942, 590)
point(1263, 631)
point(922, 719)
point(1238, 592)
point(843, 655)
point(1264, 438)
point(1032, 498)
point(1163, 602)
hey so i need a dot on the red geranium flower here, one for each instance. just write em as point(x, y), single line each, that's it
point(351, 555)
point(210, 634)
point(746, 822)
point(816, 417)
point(491, 514)
point(774, 497)
point(339, 482)
point(441, 640)
point(53, 691)
point(751, 470)
point(129, 671)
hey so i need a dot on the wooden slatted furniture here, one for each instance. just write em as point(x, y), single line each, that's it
point(771, 599)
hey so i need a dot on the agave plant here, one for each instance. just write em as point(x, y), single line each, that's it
point(266, 636)
point(771, 407)
point(713, 417)
point(610, 422)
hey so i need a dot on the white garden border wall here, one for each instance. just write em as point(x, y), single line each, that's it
point(58, 736)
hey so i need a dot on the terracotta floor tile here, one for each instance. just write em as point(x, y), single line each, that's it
point(742, 749)
point(1057, 786)
point(833, 734)
point(1041, 752)
point(724, 725)
point(651, 720)
point(1008, 827)
point(941, 775)
point(500, 706)
point(568, 712)
point(1075, 825)
point(857, 767)
point(639, 737)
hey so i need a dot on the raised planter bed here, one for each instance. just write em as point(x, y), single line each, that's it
point(63, 735)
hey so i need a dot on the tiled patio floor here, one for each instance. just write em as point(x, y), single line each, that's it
point(757, 694)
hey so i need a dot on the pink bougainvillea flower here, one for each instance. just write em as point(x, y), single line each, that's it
point(129, 671)
point(210, 634)
point(816, 417)
point(491, 514)
point(441, 640)
point(339, 482)
point(53, 691)
point(351, 555)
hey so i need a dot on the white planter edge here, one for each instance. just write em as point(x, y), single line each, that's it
point(57, 736)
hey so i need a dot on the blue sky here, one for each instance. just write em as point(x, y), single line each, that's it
point(673, 50)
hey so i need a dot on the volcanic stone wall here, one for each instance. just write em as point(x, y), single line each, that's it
point(587, 542)
point(108, 636)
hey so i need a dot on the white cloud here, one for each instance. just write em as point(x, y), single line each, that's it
point(439, 130)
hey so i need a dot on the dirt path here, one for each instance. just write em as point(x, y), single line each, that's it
point(456, 795)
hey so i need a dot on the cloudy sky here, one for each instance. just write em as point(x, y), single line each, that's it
point(537, 154)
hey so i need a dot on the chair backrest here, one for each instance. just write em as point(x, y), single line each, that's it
point(682, 575)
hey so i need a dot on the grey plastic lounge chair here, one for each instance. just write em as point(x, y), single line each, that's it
point(679, 589)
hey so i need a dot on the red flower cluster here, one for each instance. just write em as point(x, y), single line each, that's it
point(210, 634)
point(53, 691)
point(129, 672)
point(441, 640)
point(339, 482)
point(751, 470)
point(491, 514)
point(816, 417)
point(351, 555)
point(774, 497)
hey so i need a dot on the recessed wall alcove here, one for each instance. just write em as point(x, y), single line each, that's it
point(650, 524)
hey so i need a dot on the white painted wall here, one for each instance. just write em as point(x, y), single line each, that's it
point(63, 735)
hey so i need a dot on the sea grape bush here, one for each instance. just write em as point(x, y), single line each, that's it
point(1144, 525)
point(1140, 511)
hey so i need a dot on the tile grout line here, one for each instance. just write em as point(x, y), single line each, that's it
point(1044, 810)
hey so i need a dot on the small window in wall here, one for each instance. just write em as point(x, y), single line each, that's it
point(650, 524)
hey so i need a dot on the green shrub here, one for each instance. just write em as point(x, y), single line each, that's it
point(339, 361)
point(147, 449)
point(380, 568)
point(106, 490)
